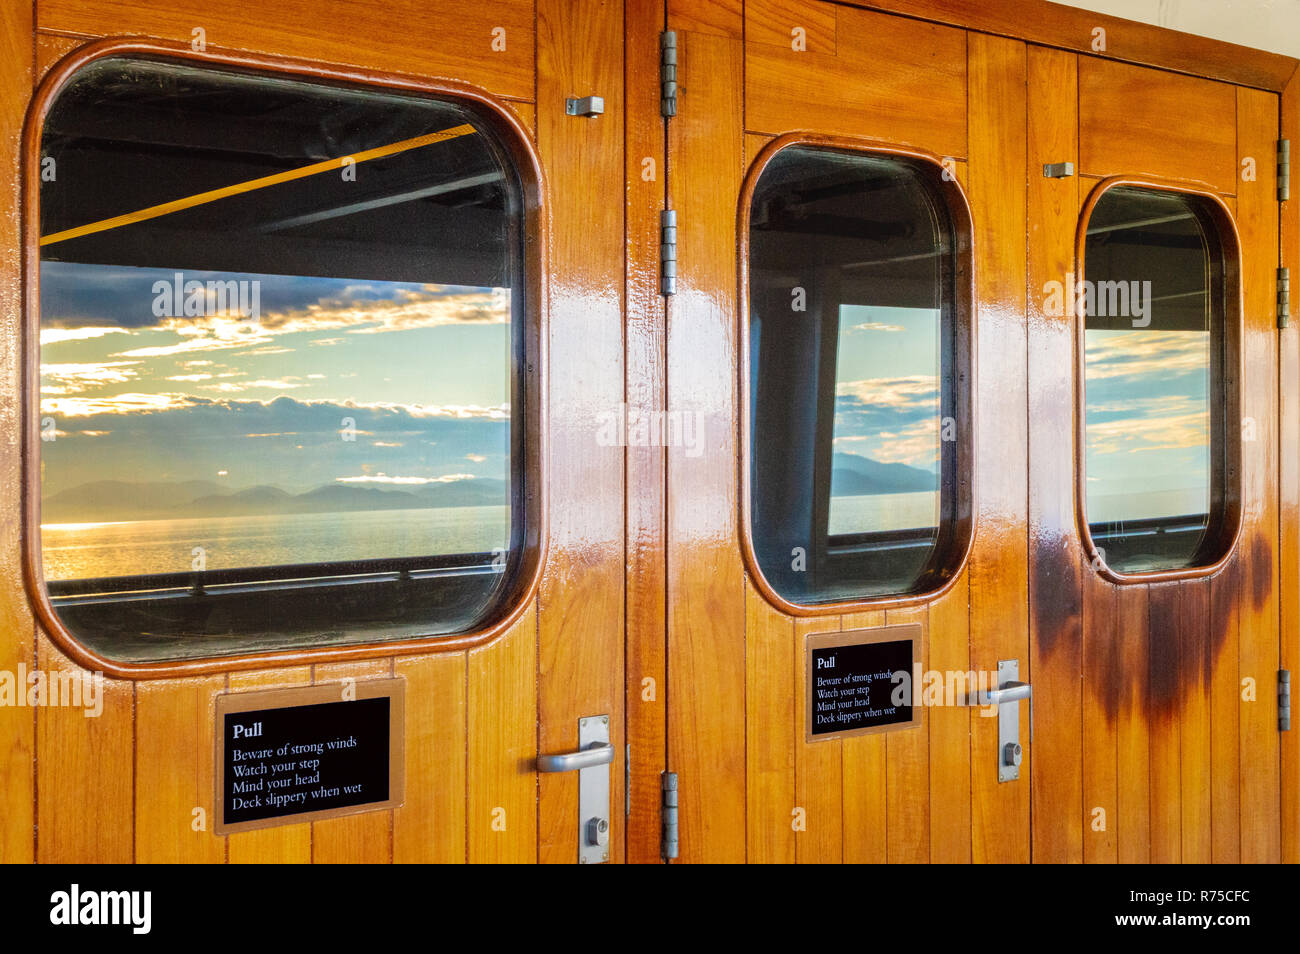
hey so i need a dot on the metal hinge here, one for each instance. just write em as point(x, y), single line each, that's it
point(1283, 170)
point(1283, 700)
point(668, 252)
point(668, 815)
point(668, 73)
point(1283, 296)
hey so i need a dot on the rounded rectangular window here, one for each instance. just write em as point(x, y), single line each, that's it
point(1159, 359)
point(282, 369)
point(858, 360)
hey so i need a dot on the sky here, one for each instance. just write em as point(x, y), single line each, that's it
point(422, 370)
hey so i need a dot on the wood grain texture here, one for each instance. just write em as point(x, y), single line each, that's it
point(1289, 482)
point(1225, 714)
point(1258, 649)
point(429, 827)
point(1103, 678)
point(774, 726)
point(452, 41)
point(950, 731)
point(1194, 721)
point(580, 604)
point(915, 100)
point(1056, 561)
point(282, 844)
point(999, 571)
point(1133, 738)
point(777, 22)
point(1134, 120)
point(85, 770)
point(1164, 617)
point(710, 17)
point(366, 837)
point(907, 766)
point(501, 698)
point(644, 388)
point(17, 628)
point(1053, 24)
point(175, 725)
point(863, 767)
point(819, 779)
point(706, 611)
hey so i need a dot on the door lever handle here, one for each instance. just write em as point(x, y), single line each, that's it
point(601, 753)
point(1007, 692)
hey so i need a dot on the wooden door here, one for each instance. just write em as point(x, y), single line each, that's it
point(751, 788)
point(1156, 719)
point(125, 786)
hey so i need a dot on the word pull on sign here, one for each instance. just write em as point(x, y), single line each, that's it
point(286, 756)
point(861, 681)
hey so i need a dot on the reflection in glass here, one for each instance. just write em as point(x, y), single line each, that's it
point(280, 337)
point(1154, 349)
point(852, 398)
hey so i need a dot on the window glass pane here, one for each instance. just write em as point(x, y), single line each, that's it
point(280, 391)
point(852, 356)
point(1153, 352)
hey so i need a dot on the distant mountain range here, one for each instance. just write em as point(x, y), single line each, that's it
point(112, 500)
point(853, 475)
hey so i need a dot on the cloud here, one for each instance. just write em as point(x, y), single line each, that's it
point(74, 378)
point(51, 336)
point(382, 478)
point(876, 326)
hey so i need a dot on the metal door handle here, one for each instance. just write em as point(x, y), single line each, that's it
point(602, 753)
point(1007, 692)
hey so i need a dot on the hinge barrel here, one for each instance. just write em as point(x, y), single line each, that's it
point(1283, 170)
point(1283, 296)
point(668, 813)
point(1284, 700)
point(668, 73)
point(668, 252)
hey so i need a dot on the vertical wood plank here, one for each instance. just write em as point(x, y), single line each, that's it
point(950, 731)
point(1258, 650)
point(1133, 763)
point(367, 837)
point(1194, 721)
point(774, 726)
point(647, 723)
point(580, 604)
point(907, 766)
point(85, 768)
point(282, 844)
point(706, 625)
point(1104, 676)
point(999, 591)
point(819, 782)
point(17, 628)
point(502, 756)
point(1225, 711)
point(1289, 483)
point(1164, 620)
point(1056, 563)
point(863, 767)
point(175, 721)
point(429, 827)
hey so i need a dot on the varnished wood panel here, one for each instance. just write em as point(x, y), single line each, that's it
point(1258, 655)
point(1104, 678)
point(913, 100)
point(950, 731)
point(773, 731)
point(819, 780)
point(1054, 24)
point(501, 809)
point(580, 604)
point(999, 571)
point(1289, 483)
point(366, 837)
point(175, 722)
point(281, 844)
point(1138, 121)
point(706, 611)
point(712, 17)
point(907, 766)
point(429, 827)
point(85, 770)
point(1194, 721)
point(1056, 562)
point(645, 371)
point(17, 629)
point(453, 41)
point(779, 22)
point(1164, 619)
point(1133, 760)
point(1225, 712)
